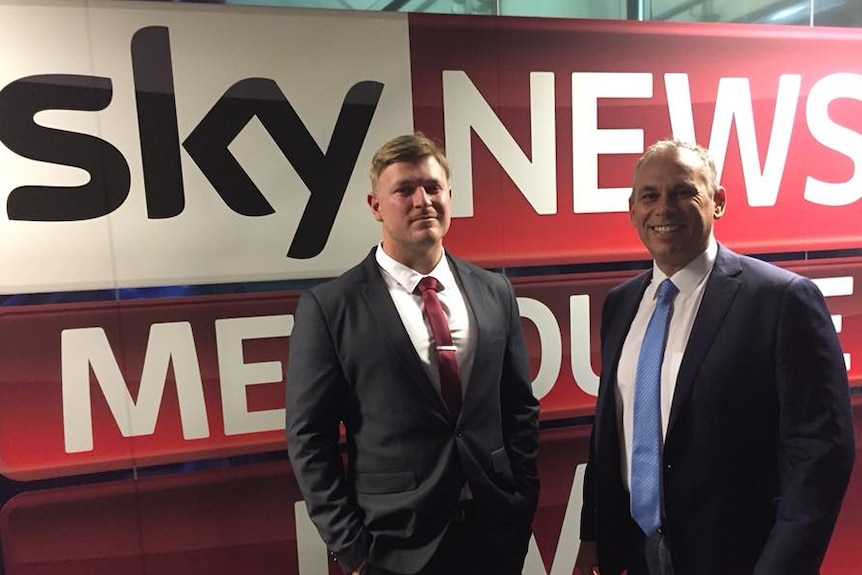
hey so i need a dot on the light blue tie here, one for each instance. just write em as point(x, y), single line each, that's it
point(646, 434)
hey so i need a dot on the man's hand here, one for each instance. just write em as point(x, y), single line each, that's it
point(359, 569)
point(588, 559)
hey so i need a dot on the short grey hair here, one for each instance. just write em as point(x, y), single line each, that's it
point(674, 145)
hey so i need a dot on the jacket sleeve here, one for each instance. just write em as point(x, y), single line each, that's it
point(817, 444)
point(317, 394)
point(520, 409)
point(588, 508)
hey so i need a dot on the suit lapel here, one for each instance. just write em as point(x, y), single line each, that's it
point(476, 295)
point(612, 346)
point(385, 315)
point(721, 288)
point(623, 316)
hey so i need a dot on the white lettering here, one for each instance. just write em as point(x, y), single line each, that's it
point(834, 287)
point(588, 141)
point(579, 327)
point(836, 137)
point(168, 343)
point(235, 375)
point(550, 344)
point(570, 535)
point(733, 102)
point(310, 548)
point(678, 91)
point(466, 111)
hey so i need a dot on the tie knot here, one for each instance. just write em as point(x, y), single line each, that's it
point(427, 283)
point(667, 290)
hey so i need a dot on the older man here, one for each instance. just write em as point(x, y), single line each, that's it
point(723, 440)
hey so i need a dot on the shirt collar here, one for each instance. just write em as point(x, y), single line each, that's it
point(688, 278)
point(409, 278)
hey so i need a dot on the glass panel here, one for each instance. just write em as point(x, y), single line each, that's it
point(429, 6)
point(608, 9)
point(604, 9)
point(763, 11)
point(846, 13)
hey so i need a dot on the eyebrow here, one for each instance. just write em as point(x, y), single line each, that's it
point(417, 181)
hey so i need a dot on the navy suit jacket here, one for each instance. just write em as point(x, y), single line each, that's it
point(760, 444)
point(352, 361)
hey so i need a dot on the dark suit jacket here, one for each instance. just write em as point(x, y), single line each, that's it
point(351, 360)
point(760, 442)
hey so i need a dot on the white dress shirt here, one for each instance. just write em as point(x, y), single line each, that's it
point(401, 282)
point(690, 281)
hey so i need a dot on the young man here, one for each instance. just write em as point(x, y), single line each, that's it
point(433, 390)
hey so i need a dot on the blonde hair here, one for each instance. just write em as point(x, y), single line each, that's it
point(409, 148)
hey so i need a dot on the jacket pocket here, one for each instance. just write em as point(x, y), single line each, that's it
point(380, 482)
point(501, 465)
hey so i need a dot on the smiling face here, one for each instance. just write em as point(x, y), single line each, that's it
point(673, 205)
point(412, 201)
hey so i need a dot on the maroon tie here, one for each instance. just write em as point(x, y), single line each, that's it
point(447, 360)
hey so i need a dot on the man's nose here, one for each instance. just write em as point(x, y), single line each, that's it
point(666, 203)
point(421, 196)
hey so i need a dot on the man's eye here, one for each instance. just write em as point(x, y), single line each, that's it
point(684, 193)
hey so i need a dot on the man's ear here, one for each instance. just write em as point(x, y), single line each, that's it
point(374, 204)
point(720, 201)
